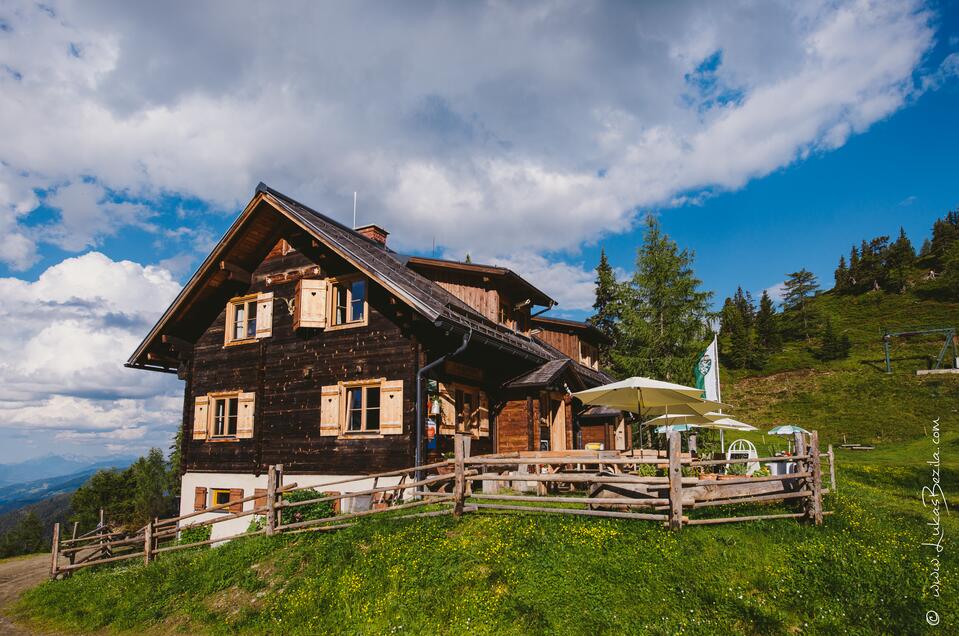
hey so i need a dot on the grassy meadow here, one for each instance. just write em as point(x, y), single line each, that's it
point(866, 571)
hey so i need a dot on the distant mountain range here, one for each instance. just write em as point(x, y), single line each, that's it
point(51, 465)
point(34, 480)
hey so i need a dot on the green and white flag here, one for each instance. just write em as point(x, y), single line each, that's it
point(707, 372)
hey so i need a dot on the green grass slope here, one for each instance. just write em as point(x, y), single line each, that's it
point(854, 397)
point(864, 572)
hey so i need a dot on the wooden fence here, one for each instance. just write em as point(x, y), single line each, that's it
point(604, 484)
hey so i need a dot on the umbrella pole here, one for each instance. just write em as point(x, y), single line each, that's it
point(722, 441)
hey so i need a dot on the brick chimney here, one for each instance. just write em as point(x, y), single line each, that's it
point(374, 233)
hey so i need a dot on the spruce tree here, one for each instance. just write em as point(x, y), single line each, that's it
point(799, 288)
point(901, 259)
point(767, 330)
point(854, 275)
point(664, 314)
point(607, 306)
point(841, 275)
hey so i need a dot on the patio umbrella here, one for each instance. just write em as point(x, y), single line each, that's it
point(787, 429)
point(724, 421)
point(678, 418)
point(682, 428)
point(639, 394)
point(701, 407)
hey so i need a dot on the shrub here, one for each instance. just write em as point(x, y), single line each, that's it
point(193, 534)
point(307, 512)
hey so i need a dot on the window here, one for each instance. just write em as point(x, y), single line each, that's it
point(504, 314)
point(466, 414)
point(220, 496)
point(363, 409)
point(241, 319)
point(588, 355)
point(225, 410)
point(348, 302)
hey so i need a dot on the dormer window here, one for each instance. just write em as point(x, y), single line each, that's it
point(348, 302)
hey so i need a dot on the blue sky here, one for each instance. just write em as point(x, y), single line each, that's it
point(767, 136)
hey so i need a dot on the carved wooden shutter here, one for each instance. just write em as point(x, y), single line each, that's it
point(482, 413)
point(391, 407)
point(330, 410)
point(199, 498)
point(260, 500)
point(310, 306)
point(264, 315)
point(236, 494)
point(447, 409)
point(246, 406)
point(201, 417)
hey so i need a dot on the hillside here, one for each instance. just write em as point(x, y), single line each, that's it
point(864, 571)
point(16, 496)
point(48, 511)
point(854, 397)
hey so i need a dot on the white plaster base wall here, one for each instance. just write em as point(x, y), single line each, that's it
point(249, 483)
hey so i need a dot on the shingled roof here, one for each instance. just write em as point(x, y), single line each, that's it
point(430, 299)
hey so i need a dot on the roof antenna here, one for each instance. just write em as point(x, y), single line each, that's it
point(354, 209)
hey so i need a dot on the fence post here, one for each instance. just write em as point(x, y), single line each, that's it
point(102, 550)
point(814, 464)
point(675, 481)
point(270, 500)
point(832, 470)
point(800, 443)
point(278, 496)
point(459, 484)
point(147, 542)
point(55, 551)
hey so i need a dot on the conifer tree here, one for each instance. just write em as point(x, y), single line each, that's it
point(664, 313)
point(901, 259)
point(841, 276)
point(799, 288)
point(853, 267)
point(607, 306)
point(767, 330)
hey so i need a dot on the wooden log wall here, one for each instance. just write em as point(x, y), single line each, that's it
point(287, 371)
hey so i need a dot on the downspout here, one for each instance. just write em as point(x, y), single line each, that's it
point(419, 399)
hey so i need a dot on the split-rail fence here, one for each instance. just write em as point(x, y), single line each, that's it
point(602, 484)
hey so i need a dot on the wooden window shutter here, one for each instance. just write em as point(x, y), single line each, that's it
point(264, 315)
point(260, 500)
point(236, 494)
point(330, 410)
point(309, 309)
point(246, 407)
point(482, 413)
point(199, 498)
point(447, 423)
point(201, 417)
point(391, 407)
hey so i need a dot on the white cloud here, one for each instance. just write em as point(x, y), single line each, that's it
point(776, 292)
point(65, 340)
point(484, 123)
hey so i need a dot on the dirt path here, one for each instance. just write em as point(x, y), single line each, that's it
point(16, 576)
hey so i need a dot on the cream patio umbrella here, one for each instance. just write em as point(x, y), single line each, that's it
point(636, 395)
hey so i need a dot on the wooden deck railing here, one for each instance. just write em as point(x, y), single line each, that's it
point(605, 483)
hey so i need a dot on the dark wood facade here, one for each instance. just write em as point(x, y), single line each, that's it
point(411, 320)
